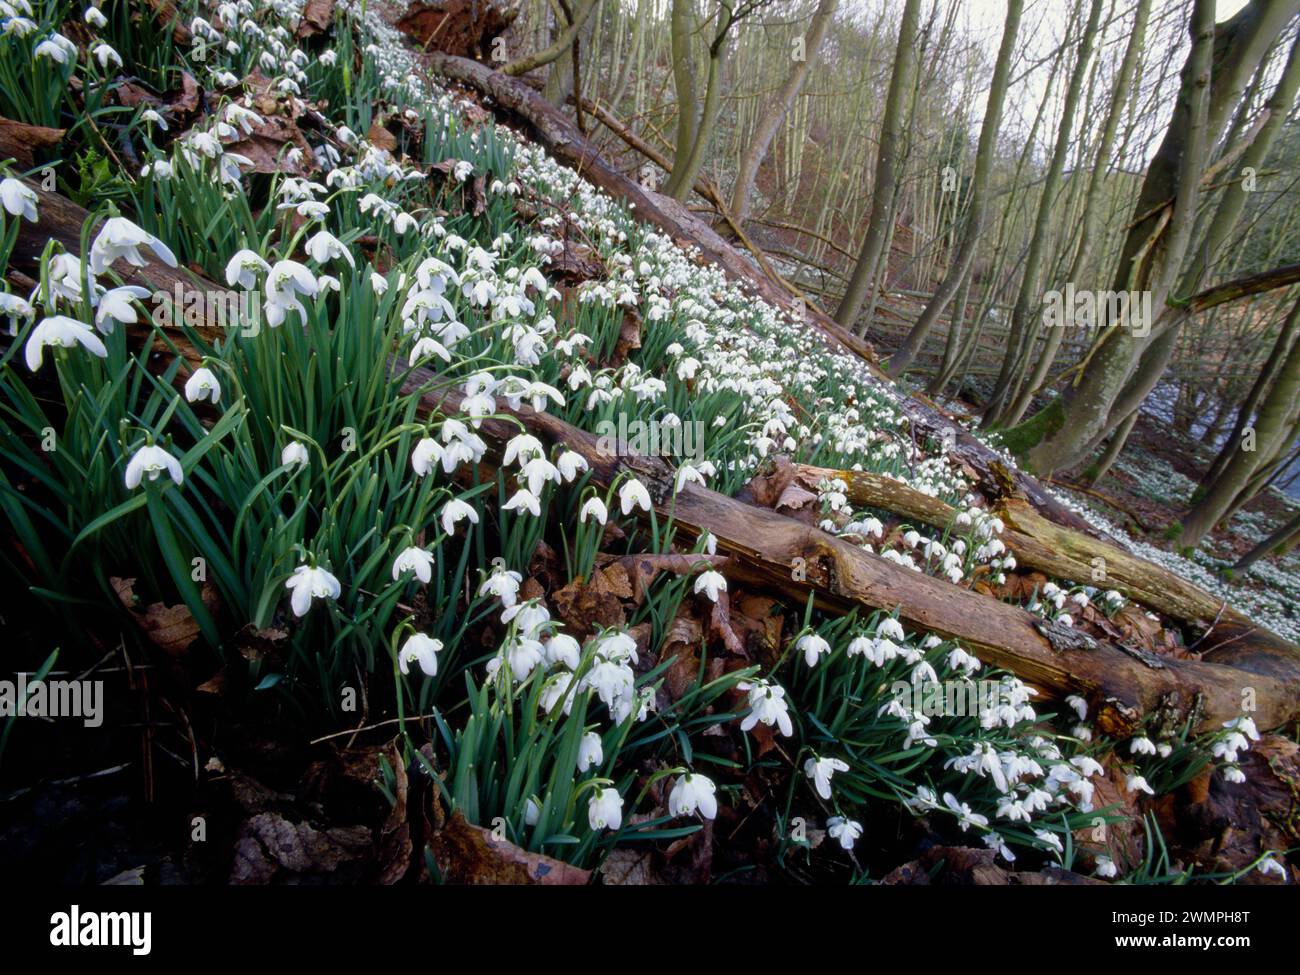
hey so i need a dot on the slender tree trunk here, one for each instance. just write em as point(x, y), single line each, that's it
point(1152, 253)
point(1092, 205)
point(681, 32)
point(979, 190)
point(1028, 296)
point(882, 190)
point(1275, 421)
point(775, 113)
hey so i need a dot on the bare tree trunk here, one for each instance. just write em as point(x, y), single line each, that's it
point(1028, 297)
point(1276, 418)
point(1218, 66)
point(1091, 204)
point(979, 190)
point(774, 114)
point(886, 179)
point(562, 44)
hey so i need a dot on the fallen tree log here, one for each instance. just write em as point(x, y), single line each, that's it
point(555, 132)
point(1125, 686)
point(1062, 553)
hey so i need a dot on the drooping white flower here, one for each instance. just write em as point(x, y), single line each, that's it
point(201, 385)
point(294, 452)
point(422, 650)
point(594, 508)
point(60, 332)
point(503, 585)
point(115, 306)
point(711, 583)
point(570, 464)
point(693, 793)
point(18, 198)
point(240, 269)
point(105, 55)
point(310, 582)
point(767, 705)
point(323, 246)
point(414, 559)
point(846, 831)
point(590, 751)
point(120, 238)
point(633, 494)
point(891, 629)
point(524, 500)
point(455, 511)
point(151, 460)
point(94, 17)
point(1138, 783)
point(812, 646)
point(605, 809)
point(820, 771)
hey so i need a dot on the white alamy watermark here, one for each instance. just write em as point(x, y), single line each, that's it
point(651, 438)
point(952, 698)
point(75, 928)
point(225, 307)
point(1089, 309)
point(82, 699)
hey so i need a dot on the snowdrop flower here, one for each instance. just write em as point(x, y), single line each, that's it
point(820, 771)
point(55, 52)
point(12, 307)
point(532, 812)
point(846, 831)
point(94, 17)
point(711, 583)
point(891, 629)
point(633, 494)
point(1234, 774)
point(767, 705)
point(692, 793)
point(594, 508)
point(310, 582)
point(590, 752)
point(201, 385)
point(965, 817)
point(378, 284)
point(562, 649)
point(1268, 865)
point(60, 332)
point(414, 559)
point(570, 464)
point(455, 511)
point(1137, 783)
point(1050, 839)
point(104, 54)
point(422, 650)
point(152, 460)
point(1079, 704)
point(18, 198)
point(813, 646)
point(425, 456)
point(1105, 867)
point(323, 246)
point(605, 809)
point(151, 117)
point(240, 269)
point(524, 500)
point(120, 238)
point(115, 306)
point(294, 452)
point(503, 585)
point(1142, 746)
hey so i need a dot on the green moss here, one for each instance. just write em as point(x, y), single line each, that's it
point(1024, 436)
